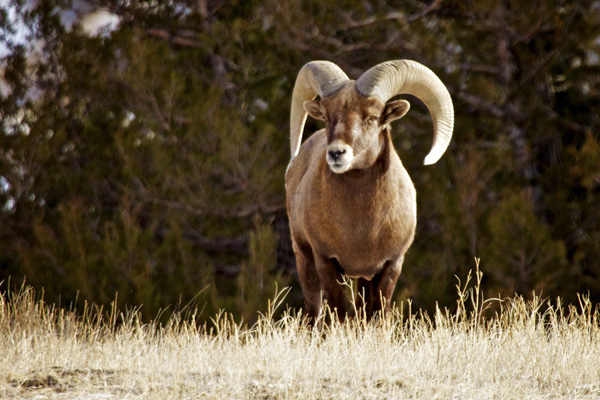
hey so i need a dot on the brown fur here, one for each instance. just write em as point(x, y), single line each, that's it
point(359, 223)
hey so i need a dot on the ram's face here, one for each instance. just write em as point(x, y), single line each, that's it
point(354, 125)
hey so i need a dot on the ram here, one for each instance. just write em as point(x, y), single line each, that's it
point(351, 204)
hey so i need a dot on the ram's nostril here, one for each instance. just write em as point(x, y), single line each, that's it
point(335, 154)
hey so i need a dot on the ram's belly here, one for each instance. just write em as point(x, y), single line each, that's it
point(362, 251)
point(366, 271)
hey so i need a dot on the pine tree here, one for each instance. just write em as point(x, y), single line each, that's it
point(149, 160)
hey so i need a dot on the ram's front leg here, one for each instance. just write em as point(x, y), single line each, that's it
point(376, 295)
point(331, 284)
point(309, 279)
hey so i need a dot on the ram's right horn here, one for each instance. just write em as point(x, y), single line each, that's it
point(321, 78)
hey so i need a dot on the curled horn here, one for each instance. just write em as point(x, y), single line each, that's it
point(315, 78)
point(392, 78)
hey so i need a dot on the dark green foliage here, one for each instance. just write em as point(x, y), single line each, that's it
point(150, 161)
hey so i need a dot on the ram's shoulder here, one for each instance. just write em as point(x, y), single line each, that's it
point(308, 157)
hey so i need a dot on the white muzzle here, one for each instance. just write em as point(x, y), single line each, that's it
point(339, 156)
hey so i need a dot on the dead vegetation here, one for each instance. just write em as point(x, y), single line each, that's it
point(482, 348)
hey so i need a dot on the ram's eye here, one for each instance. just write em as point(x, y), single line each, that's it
point(372, 119)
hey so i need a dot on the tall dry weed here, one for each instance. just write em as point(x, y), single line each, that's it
point(480, 348)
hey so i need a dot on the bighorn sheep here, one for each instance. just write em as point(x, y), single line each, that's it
point(350, 202)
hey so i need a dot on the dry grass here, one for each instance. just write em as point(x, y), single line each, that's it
point(525, 350)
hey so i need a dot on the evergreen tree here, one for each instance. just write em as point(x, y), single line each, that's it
point(149, 160)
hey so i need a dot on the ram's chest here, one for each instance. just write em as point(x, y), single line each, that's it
point(362, 231)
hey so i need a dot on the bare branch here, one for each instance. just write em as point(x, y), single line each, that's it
point(224, 245)
point(426, 11)
point(480, 104)
point(179, 40)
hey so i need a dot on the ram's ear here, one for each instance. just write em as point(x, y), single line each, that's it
point(394, 110)
point(313, 108)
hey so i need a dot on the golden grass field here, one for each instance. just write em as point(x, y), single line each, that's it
point(519, 350)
